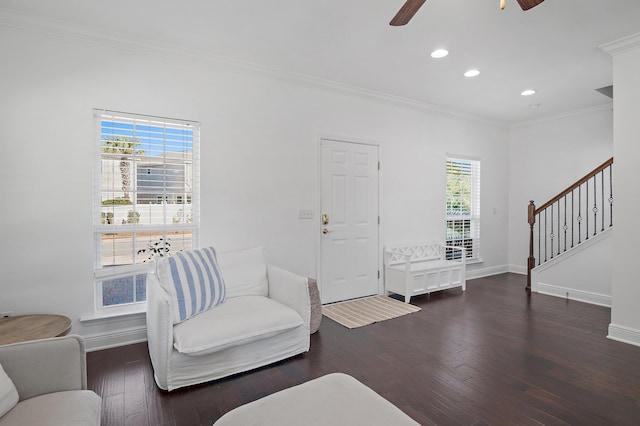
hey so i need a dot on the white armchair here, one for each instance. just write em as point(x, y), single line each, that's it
point(50, 376)
point(264, 317)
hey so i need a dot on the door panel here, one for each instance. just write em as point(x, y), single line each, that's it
point(349, 196)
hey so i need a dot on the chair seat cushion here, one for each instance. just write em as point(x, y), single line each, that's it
point(237, 321)
point(69, 408)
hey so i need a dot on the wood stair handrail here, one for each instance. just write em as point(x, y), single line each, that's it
point(579, 182)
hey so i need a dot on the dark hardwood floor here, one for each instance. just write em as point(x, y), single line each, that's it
point(490, 355)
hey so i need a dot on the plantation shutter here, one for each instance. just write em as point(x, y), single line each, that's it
point(463, 205)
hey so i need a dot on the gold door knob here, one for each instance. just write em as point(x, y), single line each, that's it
point(325, 231)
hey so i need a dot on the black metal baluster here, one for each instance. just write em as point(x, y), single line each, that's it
point(579, 218)
point(539, 245)
point(565, 227)
point(551, 235)
point(558, 228)
point(545, 235)
point(586, 212)
point(595, 206)
point(572, 217)
point(611, 195)
point(602, 202)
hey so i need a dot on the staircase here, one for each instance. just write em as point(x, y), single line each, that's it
point(581, 212)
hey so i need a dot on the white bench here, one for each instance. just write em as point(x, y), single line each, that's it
point(411, 269)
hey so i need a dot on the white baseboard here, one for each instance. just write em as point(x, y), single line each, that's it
point(573, 294)
point(486, 272)
point(518, 269)
point(129, 336)
point(624, 334)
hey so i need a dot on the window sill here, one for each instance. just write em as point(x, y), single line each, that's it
point(139, 313)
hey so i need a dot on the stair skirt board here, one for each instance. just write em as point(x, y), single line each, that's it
point(573, 294)
point(544, 281)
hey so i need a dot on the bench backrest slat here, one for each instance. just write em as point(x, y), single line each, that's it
point(418, 252)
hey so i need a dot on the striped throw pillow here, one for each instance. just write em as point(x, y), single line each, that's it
point(195, 281)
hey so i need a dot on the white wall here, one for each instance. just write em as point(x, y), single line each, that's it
point(625, 315)
point(260, 137)
point(546, 157)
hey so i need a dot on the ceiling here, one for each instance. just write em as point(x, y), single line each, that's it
point(552, 48)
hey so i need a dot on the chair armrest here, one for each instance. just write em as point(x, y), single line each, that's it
point(44, 366)
point(290, 289)
point(159, 329)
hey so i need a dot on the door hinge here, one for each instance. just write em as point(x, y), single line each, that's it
point(378, 220)
point(378, 274)
point(378, 165)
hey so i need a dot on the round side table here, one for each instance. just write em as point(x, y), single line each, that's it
point(32, 327)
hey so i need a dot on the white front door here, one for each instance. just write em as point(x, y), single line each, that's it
point(349, 220)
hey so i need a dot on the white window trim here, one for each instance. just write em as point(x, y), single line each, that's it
point(120, 271)
point(474, 218)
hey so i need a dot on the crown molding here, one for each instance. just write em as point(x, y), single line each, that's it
point(574, 113)
point(622, 45)
point(93, 36)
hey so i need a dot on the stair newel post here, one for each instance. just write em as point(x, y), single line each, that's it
point(531, 261)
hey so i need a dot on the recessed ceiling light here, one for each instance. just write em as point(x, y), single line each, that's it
point(528, 92)
point(472, 73)
point(439, 53)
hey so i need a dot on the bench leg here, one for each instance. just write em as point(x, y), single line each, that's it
point(407, 298)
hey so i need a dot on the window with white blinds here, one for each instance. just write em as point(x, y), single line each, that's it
point(463, 205)
point(146, 205)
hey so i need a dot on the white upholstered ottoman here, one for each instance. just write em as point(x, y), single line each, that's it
point(334, 399)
